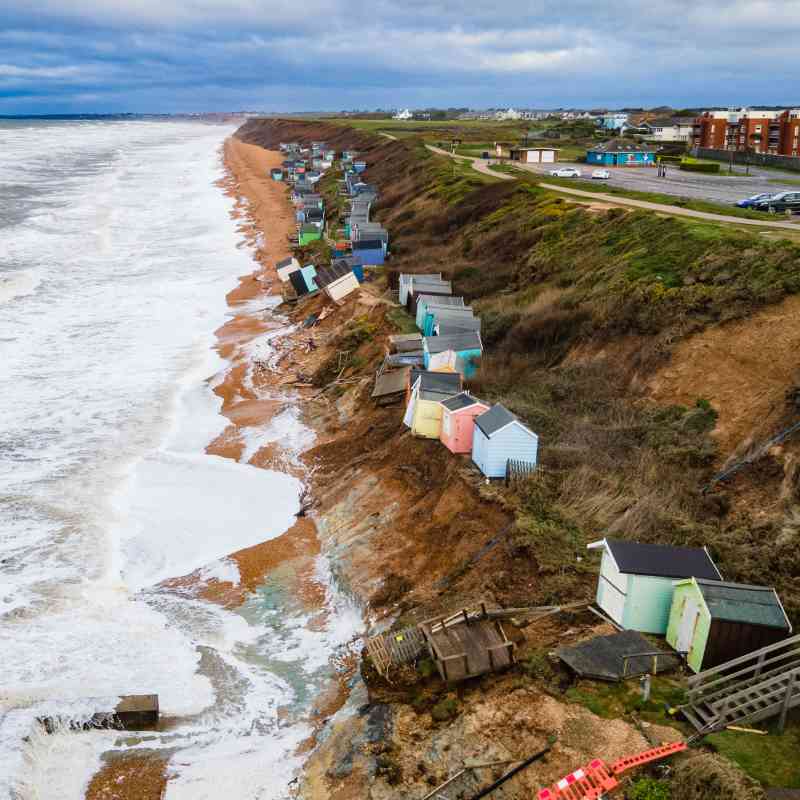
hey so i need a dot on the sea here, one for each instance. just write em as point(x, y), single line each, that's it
point(117, 248)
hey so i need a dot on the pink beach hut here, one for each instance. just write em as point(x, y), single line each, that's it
point(458, 421)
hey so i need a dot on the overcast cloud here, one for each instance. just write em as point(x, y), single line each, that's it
point(60, 56)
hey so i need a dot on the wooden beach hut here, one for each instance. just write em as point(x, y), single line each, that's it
point(276, 174)
point(713, 622)
point(406, 279)
point(635, 587)
point(286, 267)
point(419, 288)
point(308, 234)
point(438, 316)
point(424, 411)
point(309, 274)
point(499, 437)
point(424, 301)
point(458, 421)
point(390, 386)
point(369, 251)
point(337, 281)
point(467, 347)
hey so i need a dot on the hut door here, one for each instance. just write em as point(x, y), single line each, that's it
point(687, 625)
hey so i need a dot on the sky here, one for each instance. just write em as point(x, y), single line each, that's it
point(162, 56)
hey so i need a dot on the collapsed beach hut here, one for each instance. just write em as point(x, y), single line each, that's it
point(276, 174)
point(424, 410)
point(298, 283)
point(467, 347)
point(309, 273)
point(500, 437)
point(405, 342)
point(713, 622)
point(286, 267)
point(635, 587)
point(458, 421)
point(425, 300)
point(390, 386)
point(337, 281)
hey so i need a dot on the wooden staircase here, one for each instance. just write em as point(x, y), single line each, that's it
point(760, 685)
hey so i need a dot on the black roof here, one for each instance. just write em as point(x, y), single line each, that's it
point(368, 244)
point(459, 401)
point(662, 560)
point(287, 262)
point(437, 381)
point(498, 416)
point(738, 602)
point(327, 275)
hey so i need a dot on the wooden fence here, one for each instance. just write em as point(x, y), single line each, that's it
point(518, 471)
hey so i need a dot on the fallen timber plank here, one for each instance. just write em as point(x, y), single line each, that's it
point(133, 712)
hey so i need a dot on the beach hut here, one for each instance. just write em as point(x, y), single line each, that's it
point(407, 278)
point(458, 421)
point(425, 300)
point(437, 315)
point(298, 283)
point(369, 251)
point(337, 281)
point(286, 267)
point(467, 346)
point(424, 410)
point(308, 234)
point(499, 437)
point(419, 288)
point(309, 274)
point(359, 166)
point(713, 622)
point(636, 580)
point(276, 174)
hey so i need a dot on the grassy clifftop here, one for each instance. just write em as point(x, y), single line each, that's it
point(581, 306)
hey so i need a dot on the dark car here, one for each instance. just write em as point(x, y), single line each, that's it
point(752, 202)
point(781, 202)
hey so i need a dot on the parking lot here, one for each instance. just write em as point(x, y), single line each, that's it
point(722, 188)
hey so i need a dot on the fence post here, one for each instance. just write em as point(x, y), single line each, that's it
point(787, 699)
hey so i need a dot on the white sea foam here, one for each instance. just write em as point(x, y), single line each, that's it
point(18, 284)
point(107, 369)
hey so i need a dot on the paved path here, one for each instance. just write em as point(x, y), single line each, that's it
point(481, 166)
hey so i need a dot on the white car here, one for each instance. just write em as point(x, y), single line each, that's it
point(601, 175)
point(566, 172)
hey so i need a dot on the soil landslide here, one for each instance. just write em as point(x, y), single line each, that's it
point(415, 531)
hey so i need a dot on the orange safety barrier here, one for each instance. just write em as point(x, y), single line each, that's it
point(597, 778)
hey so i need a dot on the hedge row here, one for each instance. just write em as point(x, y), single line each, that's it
point(688, 166)
point(670, 159)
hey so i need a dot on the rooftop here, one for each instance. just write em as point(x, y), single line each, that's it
point(663, 561)
point(738, 602)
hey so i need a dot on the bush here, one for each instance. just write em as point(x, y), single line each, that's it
point(670, 159)
point(445, 710)
point(688, 166)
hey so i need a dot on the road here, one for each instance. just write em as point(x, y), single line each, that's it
point(480, 165)
point(722, 188)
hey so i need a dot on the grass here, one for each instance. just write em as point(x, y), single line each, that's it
point(772, 760)
point(402, 320)
point(785, 181)
point(614, 700)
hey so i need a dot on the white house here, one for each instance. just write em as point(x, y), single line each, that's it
point(676, 129)
point(508, 114)
point(286, 267)
point(636, 580)
point(404, 115)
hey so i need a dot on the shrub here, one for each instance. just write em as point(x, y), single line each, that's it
point(688, 166)
point(445, 709)
point(648, 789)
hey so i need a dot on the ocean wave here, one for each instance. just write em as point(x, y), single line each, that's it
point(18, 284)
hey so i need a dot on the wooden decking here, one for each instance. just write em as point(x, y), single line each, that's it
point(394, 649)
point(464, 646)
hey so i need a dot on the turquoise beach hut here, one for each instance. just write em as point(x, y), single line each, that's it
point(309, 274)
point(466, 346)
point(426, 300)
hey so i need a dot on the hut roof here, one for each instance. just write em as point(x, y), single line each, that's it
point(459, 401)
point(496, 418)
point(471, 340)
point(392, 382)
point(738, 602)
point(661, 560)
point(441, 300)
point(368, 244)
point(327, 275)
point(443, 382)
point(621, 146)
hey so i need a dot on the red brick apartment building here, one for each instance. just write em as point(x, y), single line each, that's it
point(773, 132)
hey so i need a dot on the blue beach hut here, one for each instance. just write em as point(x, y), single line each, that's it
point(466, 346)
point(501, 436)
point(426, 301)
point(369, 251)
point(621, 153)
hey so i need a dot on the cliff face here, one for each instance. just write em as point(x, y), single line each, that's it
point(593, 321)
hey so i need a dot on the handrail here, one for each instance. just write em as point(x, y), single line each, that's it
point(784, 643)
point(719, 685)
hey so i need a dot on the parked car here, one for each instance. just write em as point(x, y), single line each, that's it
point(778, 203)
point(566, 172)
point(750, 202)
point(601, 175)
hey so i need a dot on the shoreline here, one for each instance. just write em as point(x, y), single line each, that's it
point(264, 218)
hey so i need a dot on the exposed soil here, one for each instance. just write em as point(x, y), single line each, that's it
point(743, 368)
point(131, 777)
